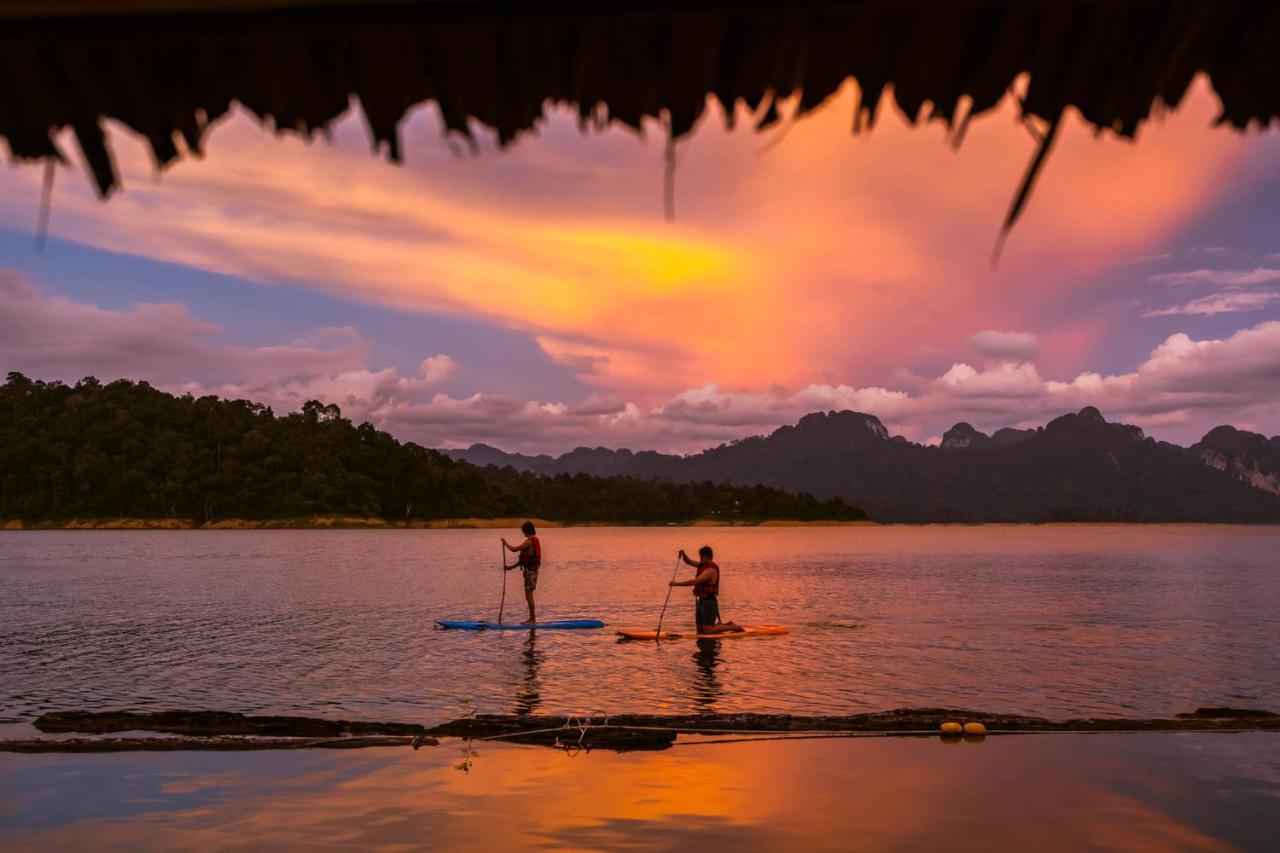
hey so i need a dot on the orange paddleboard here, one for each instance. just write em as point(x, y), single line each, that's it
point(747, 631)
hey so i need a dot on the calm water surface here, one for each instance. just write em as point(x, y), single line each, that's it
point(1058, 621)
point(1043, 792)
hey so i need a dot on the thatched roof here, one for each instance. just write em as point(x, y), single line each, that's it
point(167, 69)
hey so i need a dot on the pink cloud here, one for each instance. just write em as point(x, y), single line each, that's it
point(1227, 302)
point(1229, 290)
point(1180, 390)
point(51, 335)
point(1005, 345)
point(56, 337)
point(361, 394)
point(827, 257)
point(1219, 278)
point(1006, 380)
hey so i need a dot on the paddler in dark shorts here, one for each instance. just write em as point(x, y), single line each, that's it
point(706, 590)
point(529, 561)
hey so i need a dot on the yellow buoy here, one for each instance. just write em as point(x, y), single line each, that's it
point(975, 729)
point(951, 728)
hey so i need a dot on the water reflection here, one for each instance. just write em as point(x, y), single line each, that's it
point(706, 685)
point(531, 659)
point(1163, 791)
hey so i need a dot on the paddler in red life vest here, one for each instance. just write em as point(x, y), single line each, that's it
point(706, 588)
point(529, 561)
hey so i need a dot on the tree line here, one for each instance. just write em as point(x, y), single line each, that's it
point(125, 449)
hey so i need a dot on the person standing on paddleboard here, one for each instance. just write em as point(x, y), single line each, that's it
point(706, 591)
point(529, 561)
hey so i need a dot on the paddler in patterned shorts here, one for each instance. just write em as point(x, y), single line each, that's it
point(529, 561)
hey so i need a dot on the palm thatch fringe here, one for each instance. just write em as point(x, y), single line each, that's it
point(296, 66)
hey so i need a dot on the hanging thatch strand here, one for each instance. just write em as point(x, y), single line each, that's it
point(168, 75)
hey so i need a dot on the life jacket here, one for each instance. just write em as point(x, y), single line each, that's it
point(531, 560)
point(707, 590)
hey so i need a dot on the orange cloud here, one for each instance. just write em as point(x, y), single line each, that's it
point(825, 259)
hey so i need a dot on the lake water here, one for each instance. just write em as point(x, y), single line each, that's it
point(1039, 792)
point(1057, 621)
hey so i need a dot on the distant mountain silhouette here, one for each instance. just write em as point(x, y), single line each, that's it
point(1078, 467)
point(963, 435)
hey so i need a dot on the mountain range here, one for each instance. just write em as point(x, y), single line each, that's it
point(1078, 467)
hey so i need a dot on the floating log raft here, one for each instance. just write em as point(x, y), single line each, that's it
point(651, 731)
point(217, 744)
point(213, 723)
point(214, 730)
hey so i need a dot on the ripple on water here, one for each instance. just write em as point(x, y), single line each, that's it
point(1122, 621)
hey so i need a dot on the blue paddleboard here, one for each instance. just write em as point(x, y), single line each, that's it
point(495, 626)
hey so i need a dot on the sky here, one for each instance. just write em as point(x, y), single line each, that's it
point(536, 298)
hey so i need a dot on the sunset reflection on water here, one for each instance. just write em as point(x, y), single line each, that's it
point(1159, 791)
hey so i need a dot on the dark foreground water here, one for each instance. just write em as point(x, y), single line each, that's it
point(1058, 621)
point(1043, 792)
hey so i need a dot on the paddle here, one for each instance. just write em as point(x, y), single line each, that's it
point(663, 615)
point(503, 605)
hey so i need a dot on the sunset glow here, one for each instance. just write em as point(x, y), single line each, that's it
point(806, 269)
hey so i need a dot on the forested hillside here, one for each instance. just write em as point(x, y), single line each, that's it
point(128, 450)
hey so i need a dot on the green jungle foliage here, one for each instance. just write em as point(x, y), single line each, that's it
point(128, 450)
